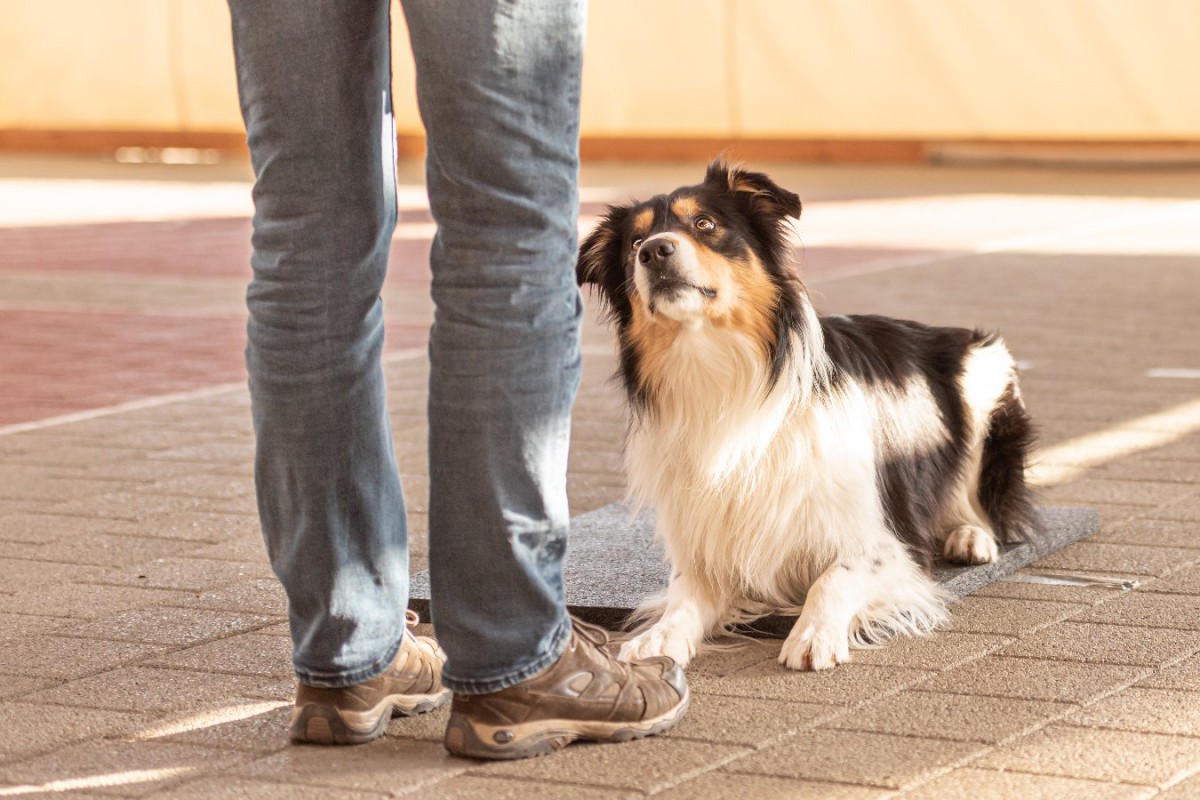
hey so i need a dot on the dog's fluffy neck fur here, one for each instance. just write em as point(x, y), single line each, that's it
point(712, 401)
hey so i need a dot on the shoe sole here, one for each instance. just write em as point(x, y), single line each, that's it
point(531, 739)
point(316, 723)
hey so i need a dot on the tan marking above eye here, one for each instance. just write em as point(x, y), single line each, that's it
point(640, 222)
point(685, 207)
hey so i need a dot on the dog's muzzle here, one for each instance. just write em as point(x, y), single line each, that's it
point(665, 269)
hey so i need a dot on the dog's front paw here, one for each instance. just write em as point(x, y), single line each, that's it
point(810, 647)
point(660, 640)
point(968, 544)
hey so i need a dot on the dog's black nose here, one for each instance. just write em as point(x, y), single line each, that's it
point(657, 251)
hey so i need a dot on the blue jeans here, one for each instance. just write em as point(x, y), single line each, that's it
point(498, 87)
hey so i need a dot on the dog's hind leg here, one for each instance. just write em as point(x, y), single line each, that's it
point(990, 502)
point(970, 544)
point(690, 612)
point(967, 536)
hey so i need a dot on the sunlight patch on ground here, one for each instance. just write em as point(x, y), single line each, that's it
point(1069, 460)
point(989, 223)
point(28, 202)
point(209, 719)
point(98, 781)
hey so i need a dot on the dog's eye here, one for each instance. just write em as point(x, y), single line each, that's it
point(705, 224)
point(636, 243)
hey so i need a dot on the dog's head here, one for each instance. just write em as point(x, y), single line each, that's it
point(714, 254)
point(697, 253)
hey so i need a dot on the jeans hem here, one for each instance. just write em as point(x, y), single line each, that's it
point(341, 680)
point(526, 671)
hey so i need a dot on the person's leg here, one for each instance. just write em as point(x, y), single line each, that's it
point(314, 80)
point(498, 85)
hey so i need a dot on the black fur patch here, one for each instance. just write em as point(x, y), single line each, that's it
point(1003, 492)
point(602, 263)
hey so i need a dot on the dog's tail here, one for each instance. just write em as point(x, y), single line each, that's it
point(1003, 492)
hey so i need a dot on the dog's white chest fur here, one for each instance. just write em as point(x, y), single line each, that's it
point(757, 494)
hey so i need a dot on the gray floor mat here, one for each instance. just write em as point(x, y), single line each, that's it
point(613, 563)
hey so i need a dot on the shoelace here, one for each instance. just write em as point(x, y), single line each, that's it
point(411, 620)
point(593, 633)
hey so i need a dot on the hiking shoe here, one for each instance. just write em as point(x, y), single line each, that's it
point(586, 695)
point(357, 714)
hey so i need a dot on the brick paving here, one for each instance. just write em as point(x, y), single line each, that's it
point(145, 643)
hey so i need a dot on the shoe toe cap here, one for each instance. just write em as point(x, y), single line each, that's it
point(667, 670)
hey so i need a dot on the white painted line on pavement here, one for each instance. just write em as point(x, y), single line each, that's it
point(407, 354)
point(121, 408)
point(1174, 372)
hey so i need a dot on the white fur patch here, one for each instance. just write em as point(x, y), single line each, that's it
point(909, 419)
point(987, 372)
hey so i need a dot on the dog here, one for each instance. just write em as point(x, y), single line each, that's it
point(795, 462)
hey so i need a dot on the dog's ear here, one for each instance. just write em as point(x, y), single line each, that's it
point(762, 196)
point(601, 263)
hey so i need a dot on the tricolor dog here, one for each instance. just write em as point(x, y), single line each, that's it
point(794, 460)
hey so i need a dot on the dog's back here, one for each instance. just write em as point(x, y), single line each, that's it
point(961, 382)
